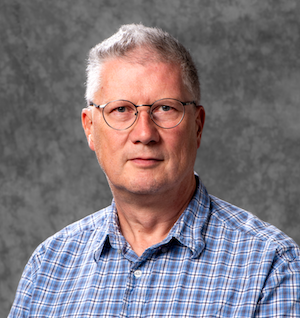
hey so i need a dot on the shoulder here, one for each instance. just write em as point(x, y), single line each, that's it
point(242, 226)
point(88, 224)
point(72, 240)
point(85, 226)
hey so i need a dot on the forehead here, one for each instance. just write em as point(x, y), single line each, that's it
point(146, 82)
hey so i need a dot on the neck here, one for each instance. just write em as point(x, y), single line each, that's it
point(146, 219)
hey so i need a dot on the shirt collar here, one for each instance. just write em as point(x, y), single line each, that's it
point(189, 227)
point(110, 231)
point(187, 230)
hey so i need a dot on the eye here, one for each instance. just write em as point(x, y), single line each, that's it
point(165, 108)
point(121, 109)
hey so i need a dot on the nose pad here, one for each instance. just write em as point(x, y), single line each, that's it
point(148, 112)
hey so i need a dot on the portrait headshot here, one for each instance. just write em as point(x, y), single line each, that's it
point(150, 159)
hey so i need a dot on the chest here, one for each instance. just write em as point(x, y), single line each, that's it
point(170, 283)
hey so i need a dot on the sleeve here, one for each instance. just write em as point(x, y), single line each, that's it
point(21, 305)
point(280, 296)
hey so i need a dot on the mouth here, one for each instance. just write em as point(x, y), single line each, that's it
point(146, 162)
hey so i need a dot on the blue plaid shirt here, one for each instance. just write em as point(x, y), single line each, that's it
point(217, 261)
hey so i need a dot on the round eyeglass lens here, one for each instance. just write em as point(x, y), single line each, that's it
point(167, 113)
point(119, 114)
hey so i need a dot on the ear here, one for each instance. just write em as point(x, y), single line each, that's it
point(87, 124)
point(200, 119)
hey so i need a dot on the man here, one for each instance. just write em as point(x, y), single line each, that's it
point(164, 248)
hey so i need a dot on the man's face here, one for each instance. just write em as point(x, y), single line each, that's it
point(144, 159)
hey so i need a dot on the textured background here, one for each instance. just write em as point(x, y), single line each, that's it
point(248, 57)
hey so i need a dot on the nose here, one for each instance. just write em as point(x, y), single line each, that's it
point(144, 130)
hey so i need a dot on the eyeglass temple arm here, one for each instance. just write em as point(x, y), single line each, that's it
point(97, 106)
point(189, 103)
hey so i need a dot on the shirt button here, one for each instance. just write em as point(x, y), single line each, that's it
point(137, 273)
point(164, 249)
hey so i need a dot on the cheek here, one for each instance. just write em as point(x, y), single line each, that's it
point(101, 146)
point(187, 145)
point(109, 147)
point(181, 145)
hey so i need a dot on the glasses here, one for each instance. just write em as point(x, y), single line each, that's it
point(121, 114)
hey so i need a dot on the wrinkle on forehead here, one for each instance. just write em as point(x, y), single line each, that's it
point(141, 83)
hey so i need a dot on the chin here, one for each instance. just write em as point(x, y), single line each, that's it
point(141, 186)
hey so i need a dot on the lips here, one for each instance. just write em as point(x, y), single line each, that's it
point(141, 158)
point(145, 161)
point(145, 157)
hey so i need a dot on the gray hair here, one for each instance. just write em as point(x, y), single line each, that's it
point(158, 45)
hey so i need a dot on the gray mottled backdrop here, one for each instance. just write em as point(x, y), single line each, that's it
point(248, 54)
